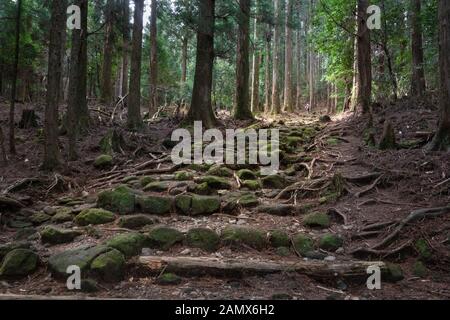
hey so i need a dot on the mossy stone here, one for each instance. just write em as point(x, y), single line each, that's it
point(120, 200)
point(8, 247)
point(39, 218)
point(157, 186)
point(303, 244)
point(330, 242)
point(236, 236)
point(273, 182)
point(317, 220)
point(103, 161)
point(394, 272)
point(217, 183)
point(94, 216)
point(283, 251)
point(199, 167)
point(146, 180)
point(168, 279)
point(183, 176)
point(278, 238)
point(130, 179)
point(159, 205)
point(205, 205)
point(61, 217)
point(109, 266)
point(423, 249)
point(248, 200)
point(246, 174)
point(164, 237)
point(183, 203)
point(22, 234)
point(130, 244)
point(251, 184)
point(419, 269)
point(19, 262)
point(136, 221)
point(203, 238)
point(53, 235)
point(202, 189)
point(89, 286)
point(220, 171)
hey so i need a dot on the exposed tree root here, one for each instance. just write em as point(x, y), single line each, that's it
point(361, 252)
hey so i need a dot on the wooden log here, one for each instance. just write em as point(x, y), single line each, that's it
point(239, 267)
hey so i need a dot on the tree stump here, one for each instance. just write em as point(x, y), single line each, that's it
point(388, 138)
point(29, 119)
point(112, 142)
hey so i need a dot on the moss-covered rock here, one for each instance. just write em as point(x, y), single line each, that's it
point(394, 272)
point(423, 249)
point(62, 216)
point(109, 266)
point(157, 186)
point(183, 176)
point(81, 257)
point(303, 244)
point(317, 220)
point(120, 200)
point(251, 184)
point(278, 238)
point(199, 167)
point(248, 200)
point(419, 269)
point(203, 238)
point(220, 171)
point(164, 238)
point(202, 189)
point(53, 235)
point(214, 182)
point(23, 234)
point(168, 279)
point(183, 203)
point(8, 247)
point(94, 216)
point(237, 236)
point(146, 180)
point(136, 221)
point(330, 242)
point(39, 218)
point(154, 204)
point(246, 174)
point(283, 251)
point(19, 262)
point(277, 209)
point(274, 182)
point(130, 244)
point(205, 205)
point(103, 161)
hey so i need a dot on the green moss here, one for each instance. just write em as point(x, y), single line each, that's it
point(205, 205)
point(164, 238)
point(94, 216)
point(278, 238)
point(120, 200)
point(423, 249)
point(220, 171)
point(216, 182)
point(157, 186)
point(19, 262)
point(419, 269)
point(130, 244)
point(203, 238)
point(55, 235)
point(109, 266)
point(246, 174)
point(303, 244)
point(330, 242)
point(103, 161)
point(203, 189)
point(318, 219)
point(251, 184)
point(332, 141)
point(394, 272)
point(63, 216)
point(183, 176)
point(39, 218)
point(146, 180)
point(154, 204)
point(129, 179)
point(136, 221)
point(248, 200)
point(168, 279)
point(237, 236)
point(283, 251)
point(273, 182)
point(199, 167)
point(183, 203)
point(293, 141)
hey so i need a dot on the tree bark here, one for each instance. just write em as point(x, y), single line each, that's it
point(184, 54)
point(106, 89)
point(276, 104)
point(364, 59)
point(418, 73)
point(299, 70)
point(134, 99)
point(255, 67)
point(267, 84)
point(57, 30)
point(153, 98)
point(125, 47)
point(288, 104)
point(242, 108)
point(201, 104)
point(12, 144)
point(312, 97)
point(441, 141)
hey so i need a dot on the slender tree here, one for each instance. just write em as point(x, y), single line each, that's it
point(153, 58)
point(418, 73)
point(134, 99)
point(255, 66)
point(125, 47)
point(201, 104)
point(184, 57)
point(441, 141)
point(242, 108)
point(312, 57)
point(106, 87)
point(364, 59)
point(276, 104)
point(288, 60)
point(267, 76)
point(57, 30)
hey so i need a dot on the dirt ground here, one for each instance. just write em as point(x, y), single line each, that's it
point(396, 183)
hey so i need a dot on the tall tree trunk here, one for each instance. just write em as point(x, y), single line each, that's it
point(125, 47)
point(353, 102)
point(267, 84)
point(255, 67)
point(134, 98)
point(201, 104)
point(288, 104)
point(364, 59)
point(242, 108)
point(106, 87)
point(312, 97)
point(12, 144)
point(57, 30)
point(276, 104)
point(184, 56)
point(77, 109)
point(153, 58)
point(441, 141)
point(418, 73)
point(299, 69)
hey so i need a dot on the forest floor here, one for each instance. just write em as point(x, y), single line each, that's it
point(363, 192)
